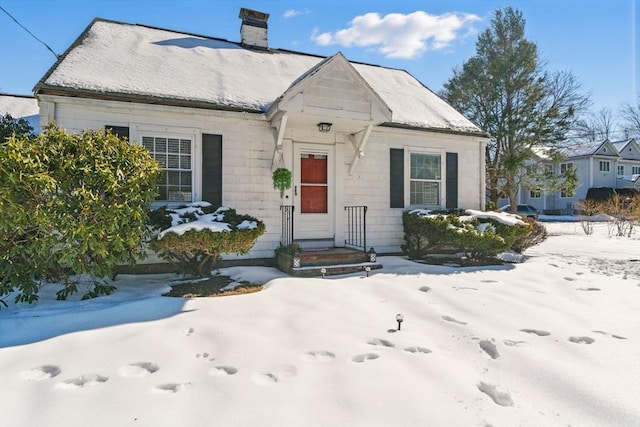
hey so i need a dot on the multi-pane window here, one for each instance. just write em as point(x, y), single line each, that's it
point(425, 179)
point(534, 194)
point(620, 170)
point(635, 170)
point(605, 166)
point(174, 157)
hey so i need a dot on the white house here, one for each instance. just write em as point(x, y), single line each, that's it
point(598, 164)
point(220, 116)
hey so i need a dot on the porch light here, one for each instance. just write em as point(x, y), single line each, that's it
point(324, 126)
point(372, 255)
point(399, 319)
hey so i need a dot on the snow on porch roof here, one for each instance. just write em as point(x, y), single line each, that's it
point(130, 60)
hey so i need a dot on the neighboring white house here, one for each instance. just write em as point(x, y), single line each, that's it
point(21, 107)
point(220, 116)
point(598, 164)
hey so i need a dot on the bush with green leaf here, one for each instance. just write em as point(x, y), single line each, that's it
point(71, 204)
point(480, 237)
point(200, 234)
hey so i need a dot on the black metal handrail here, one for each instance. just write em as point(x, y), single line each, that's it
point(287, 225)
point(356, 227)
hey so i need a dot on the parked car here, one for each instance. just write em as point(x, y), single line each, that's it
point(523, 210)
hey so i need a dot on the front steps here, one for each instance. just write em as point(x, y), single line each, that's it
point(325, 261)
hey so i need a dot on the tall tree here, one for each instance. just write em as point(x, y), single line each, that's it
point(596, 126)
point(631, 116)
point(505, 90)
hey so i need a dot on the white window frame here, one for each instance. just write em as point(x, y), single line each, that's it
point(439, 180)
point(604, 166)
point(635, 170)
point(535, 194)
point(620, 170)
point(180, 137)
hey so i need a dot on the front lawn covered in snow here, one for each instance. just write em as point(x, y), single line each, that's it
point(553, 341)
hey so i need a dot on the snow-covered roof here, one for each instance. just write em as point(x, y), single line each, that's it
point(589, 148)
point(163, 66)
point(21, 107)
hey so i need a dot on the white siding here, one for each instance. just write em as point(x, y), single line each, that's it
point(248, 146)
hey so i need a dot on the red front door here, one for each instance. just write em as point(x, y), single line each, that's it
point(313, 183)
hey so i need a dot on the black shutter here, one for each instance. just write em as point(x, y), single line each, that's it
point(119, 131)
point(212, 169)
point(452, 181)
point(396, 175)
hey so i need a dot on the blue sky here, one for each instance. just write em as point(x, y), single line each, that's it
point(597, 40)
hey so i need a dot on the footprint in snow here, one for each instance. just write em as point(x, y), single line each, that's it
point(318, 356)
point(537, 332)
point(364, 357)
point(378, 341)
point(170, 388)
point(189, 332)
point(40, 373)
point(82, 381)
point(489, 348)
point(582, 340)
point(513, 343)
point(274, 376)
point(464, 288)
point(138, 370)
point(570, 279)
point(588, 289)
point(500, 397)
point(417, 350)
point(451, 319)
point(221, 371)
point(424, 289)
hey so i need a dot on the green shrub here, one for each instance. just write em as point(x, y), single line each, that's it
point(480, 237)
point(197, 251)
point(71, 204)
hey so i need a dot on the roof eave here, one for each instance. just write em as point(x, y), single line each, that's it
point(44, 89)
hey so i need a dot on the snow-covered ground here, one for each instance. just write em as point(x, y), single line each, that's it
point(554, 341)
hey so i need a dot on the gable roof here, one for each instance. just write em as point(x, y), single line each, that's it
point(590, 148)
point(628, 148)
point(114, 60)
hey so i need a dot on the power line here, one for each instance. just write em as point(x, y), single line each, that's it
point(32, 35)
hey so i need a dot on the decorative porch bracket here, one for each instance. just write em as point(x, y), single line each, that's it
point(278, 152)
point(359, 141)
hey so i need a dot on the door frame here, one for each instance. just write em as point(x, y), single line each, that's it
point(314, 225)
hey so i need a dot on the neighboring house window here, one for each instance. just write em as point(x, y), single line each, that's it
point(564, 167)
point(605, 166)
point(425, 179)
point(635, 170)
point(620, 170)
point(534, 194)
point(174, 157)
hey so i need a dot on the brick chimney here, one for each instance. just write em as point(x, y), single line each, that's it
point(253, 30)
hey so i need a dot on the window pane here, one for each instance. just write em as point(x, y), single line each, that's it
point(173, 145)
point(174, 157)
point(424, 166)
point(173, 161)
point(425, 193)
point(185, 162)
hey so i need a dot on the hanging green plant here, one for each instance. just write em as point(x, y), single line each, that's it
point(282, 180)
